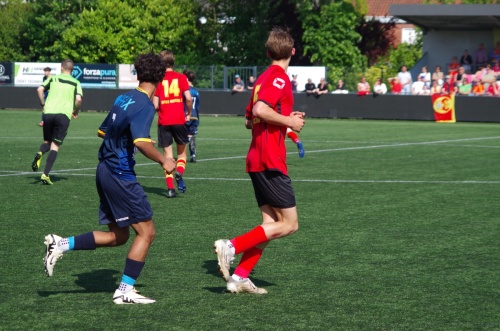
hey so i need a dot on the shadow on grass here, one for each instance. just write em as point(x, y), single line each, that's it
point(104, 280)
point(160, 191)
point(212, 268)
point(53, 179)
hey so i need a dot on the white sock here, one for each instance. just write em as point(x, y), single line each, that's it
point(63, 244)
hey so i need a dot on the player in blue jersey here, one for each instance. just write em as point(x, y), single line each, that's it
point(192, 124)
point(123, 203)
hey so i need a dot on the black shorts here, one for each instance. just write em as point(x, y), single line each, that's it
point(168, 133)
point(55, 127)
point(123, 202)
point(273, 188)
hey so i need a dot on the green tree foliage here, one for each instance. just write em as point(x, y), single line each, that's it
point(116, 31)
point(376, 38)
point(330, 37)
point(404, 54)
point(13, 15)
point(48, 20)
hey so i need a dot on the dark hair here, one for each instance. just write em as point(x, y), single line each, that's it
point(150, 68)
point(168, 57)
point(190, 75)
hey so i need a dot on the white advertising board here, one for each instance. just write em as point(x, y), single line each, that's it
point(31, 74)
point(127, 76)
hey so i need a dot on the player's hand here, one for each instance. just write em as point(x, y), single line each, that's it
point(188, 118)
point(297, 121)
point(74, 115)
point(169, 165)
point(248, 123)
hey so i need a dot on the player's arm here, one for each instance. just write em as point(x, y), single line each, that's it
point(262, 110)
point(40, 90)
point(156, 102)
point(146, 147)
point(78, 105)
point(189, 103)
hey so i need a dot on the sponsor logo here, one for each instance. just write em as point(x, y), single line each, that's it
point(122, 219)
point(279, 83)
point(2, 70)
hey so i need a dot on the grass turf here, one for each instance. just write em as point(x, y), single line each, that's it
point(399, 230)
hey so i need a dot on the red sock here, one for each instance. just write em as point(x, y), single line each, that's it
point(181, 166)
point(169, 179)
point(248, 262)
point(292, 135)
point(250, 239)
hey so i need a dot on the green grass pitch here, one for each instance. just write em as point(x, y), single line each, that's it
point(399, 230)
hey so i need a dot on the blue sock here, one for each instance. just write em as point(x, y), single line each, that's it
point(84, 241)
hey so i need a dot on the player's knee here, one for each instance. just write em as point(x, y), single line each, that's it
point(121, 238)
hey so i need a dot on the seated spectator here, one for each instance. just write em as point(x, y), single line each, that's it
point(438, 76)
point(425, 90)
point(379, 87)
point(310, 87)
point(239, 86)
point(395, 85)
point(466, 61)
point(495, 53)
point(465, 87)
point(481, 56)
point(435, 88)
point(492, 90)
point(478, 88)
point(340, 88)
point(479, 73)
point(363, 87)
point(453, 66)
point(294, 83)
point(448, 86)
point(418, 86)
point(322, 87)
point(427, 76)
point(459, 76)
point(250, 83)
point(488, 78)
point(496, 69)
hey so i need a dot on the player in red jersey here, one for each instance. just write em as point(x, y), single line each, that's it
point(169, 100)
point(271, 114)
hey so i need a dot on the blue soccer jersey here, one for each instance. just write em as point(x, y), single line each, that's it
point(128, 122)
point(196, 103)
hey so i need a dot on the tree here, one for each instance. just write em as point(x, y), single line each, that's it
point(376, 38)
point(116, 31)
point(48, 20)
point(13, 15)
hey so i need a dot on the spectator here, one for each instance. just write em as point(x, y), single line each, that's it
point(425, 90)
point(294, 83)
point(465, 87)
point(453, 66)
point(405, 80)
point(459, 76)
point(250, 83)
point(427, 76)
point(448, 86)
point(310, 87)
point(418, 86)
point(438, 76)
point(395, 85)
point(492, 90)
point(481, 56)
point(478, 76)
point(322, 87)
point(379, 87)
point(496, 69)
point(478, 88)
point(239, 86)
point(340, 88)
point(488, 78)
point(495, 53)
point(435, 88)
point(466, 61)
point(363, 87)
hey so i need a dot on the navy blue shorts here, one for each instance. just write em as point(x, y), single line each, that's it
point(123, 202)
point(192, 127)
point(273, 188)
point(168, 133)
point(55, 127)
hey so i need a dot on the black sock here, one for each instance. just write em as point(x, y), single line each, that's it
point(44, 148)
point(50, 162)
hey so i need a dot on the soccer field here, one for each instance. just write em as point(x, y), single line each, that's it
point(399, 230)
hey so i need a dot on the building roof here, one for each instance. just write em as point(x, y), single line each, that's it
point(449, 17)
point(381, 7)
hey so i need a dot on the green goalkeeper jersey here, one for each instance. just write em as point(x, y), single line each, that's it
point(63, 90)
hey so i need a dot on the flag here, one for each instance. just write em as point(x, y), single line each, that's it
point(444, 107)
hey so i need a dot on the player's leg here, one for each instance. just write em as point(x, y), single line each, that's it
point(181, 138)
point(165, 141)
point(295, 138)
point(58, 134)
point(47, 138)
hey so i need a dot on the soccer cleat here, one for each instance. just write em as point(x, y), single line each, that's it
point(129, 298)
point(244, 285)
point(52, 253)
point(180, 183)
point(36, 161)
point(192, 159)
point(171, 193)
point(225, 256)
point(301, 149)
point(46, 180)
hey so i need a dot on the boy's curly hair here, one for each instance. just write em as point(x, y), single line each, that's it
point(150, 68)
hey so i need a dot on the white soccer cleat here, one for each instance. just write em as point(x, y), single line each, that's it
point(225, 256)
point(52, 253)
point(243, 286)
point(130, 298)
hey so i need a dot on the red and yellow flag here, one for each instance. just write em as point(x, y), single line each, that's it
point(444, 107)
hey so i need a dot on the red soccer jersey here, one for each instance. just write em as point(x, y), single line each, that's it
point(171, 94)
point(267, 149)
